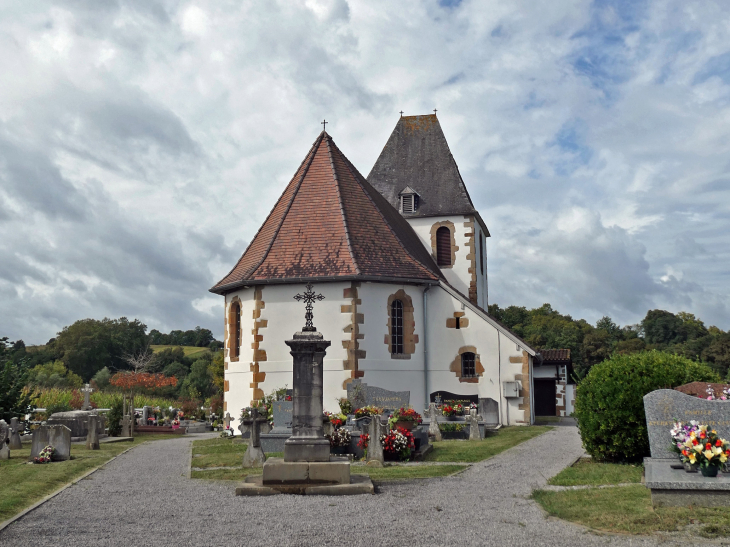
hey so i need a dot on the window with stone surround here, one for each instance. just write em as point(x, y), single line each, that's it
point(400, 336)
point(396, 327)
point(234, 330)
point(468, 369)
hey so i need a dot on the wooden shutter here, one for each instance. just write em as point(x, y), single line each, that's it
point(443, 246)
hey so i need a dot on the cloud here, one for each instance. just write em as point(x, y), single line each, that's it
point(143, 144)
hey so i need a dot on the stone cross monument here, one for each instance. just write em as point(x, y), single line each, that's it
point(433, 426)
point(86, 390)
point(227, 420)
point(307, 443)
point(473, 419)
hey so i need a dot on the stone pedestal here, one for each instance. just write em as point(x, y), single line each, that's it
point(92, 439)
point(307, 443)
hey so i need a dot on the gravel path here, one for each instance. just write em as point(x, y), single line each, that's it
point(143, 498)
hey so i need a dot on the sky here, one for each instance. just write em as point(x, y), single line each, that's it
point(143, 143)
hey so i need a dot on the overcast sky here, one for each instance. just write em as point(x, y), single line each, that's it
point(143, 143)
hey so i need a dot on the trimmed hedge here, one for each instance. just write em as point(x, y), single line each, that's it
point(609, 404)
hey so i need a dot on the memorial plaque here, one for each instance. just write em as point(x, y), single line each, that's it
point(361, 395)
point(448, 398)
point(665, 406)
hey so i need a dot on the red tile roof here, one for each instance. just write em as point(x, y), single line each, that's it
point(330, 224)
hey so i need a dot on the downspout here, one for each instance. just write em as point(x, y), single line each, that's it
point(425, 345)
point(499, 380)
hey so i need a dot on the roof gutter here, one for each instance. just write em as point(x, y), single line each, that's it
point(425, 344)
point(461, 298)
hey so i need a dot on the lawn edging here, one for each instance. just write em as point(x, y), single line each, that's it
point(52, 495)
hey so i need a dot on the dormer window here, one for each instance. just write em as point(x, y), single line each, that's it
point(408, 201)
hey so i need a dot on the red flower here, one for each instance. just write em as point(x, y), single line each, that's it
point(702, 435)
point(708, 446)
point(718, 442)
point(694, 442)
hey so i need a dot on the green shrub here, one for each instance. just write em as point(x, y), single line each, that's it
point(57, 407)
point(114, 416)
point(609, 401)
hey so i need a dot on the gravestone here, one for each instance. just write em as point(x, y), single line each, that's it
point(451, 399)
point(58, 436)
point(15, 442)
point(145, 414)
point(4, 431)
point(86, 390)
point(254, 455)
point(282, 416)
point(360, 395)
point(433, 424)
point(127, 426)
point(227, 420)
point(4, 451)
point(92, 439)
point(489, 410)
point(473, 420)
point(665, 406)
point(375, 449)
point(77, 421)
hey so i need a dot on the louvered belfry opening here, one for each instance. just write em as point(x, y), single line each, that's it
point(409, 203)
point(443, 246)
point(468, 369)
point(396, 327)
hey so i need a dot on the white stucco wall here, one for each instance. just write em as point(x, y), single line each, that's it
point(285, 316)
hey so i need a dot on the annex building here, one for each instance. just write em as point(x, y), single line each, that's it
point(401, 260)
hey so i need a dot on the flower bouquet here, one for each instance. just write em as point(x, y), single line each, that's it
point(407, 418)
point(398, 442)
point(45, 455)
point(340, 441)
point(711, 396)
point(452, 411)
point(338, 420)
point(701, 447)
point(368, 411)
point(345, 405)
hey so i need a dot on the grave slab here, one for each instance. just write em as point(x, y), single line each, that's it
point(361, 394)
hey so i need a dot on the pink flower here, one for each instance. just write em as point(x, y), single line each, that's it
point(709, 398)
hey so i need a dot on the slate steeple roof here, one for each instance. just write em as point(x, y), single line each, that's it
point(331, 225)
point(417, 155)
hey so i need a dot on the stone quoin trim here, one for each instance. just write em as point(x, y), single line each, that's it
point(524, 379)
point(450, 225)
point(234, 314)
point(259, 354)
point(352, 344)
point(559, 399)
point(463, 322)
point(455, 366)
point(410, 339)
point(472, 258)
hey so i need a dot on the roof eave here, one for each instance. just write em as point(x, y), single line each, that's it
point(325, 279)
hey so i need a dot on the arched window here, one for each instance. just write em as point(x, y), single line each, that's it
point(235, 331)
point(396, 327)
point(468, 369)
point(443, 246)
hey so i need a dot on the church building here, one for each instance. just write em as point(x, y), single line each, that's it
point(400, 258)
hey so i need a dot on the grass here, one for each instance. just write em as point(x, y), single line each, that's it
point(212, 453)
point(475, 451)
point(189, 351)
point(588, 472)
point(624, 508)
point(24, 484)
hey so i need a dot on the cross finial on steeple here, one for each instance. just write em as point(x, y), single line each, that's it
point(401, 113)
point(324, 124)
point(434, 111)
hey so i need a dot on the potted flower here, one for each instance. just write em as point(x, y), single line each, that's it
point(407, 418)
point(705, 449)
point(337, 420)
point(345, 405)
point(340, 441)
point(398, 443)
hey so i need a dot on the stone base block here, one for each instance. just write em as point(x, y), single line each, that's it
point(675, 487)
point(303, 449)
point(280, 472)
point(359, 484)
point(274, 441)
point(685, 498)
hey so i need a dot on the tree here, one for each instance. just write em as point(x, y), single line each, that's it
point(53, 374)
point(717, 353)
point(596, 347)
point(199, 381)
point(15, 401)
point(663, 328)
